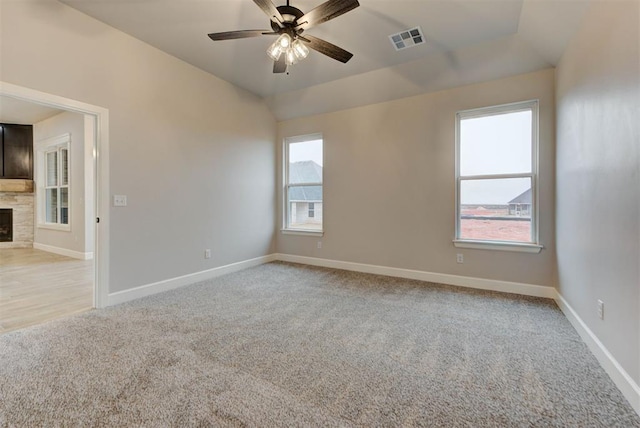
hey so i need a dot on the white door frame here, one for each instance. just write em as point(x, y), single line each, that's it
point(101, 174)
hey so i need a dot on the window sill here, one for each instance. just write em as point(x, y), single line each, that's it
point(499, 246)
point(52, 226)
point(302, 232)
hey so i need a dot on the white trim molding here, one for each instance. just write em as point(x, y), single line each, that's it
point(302, 232)
point(618, 375)
point(462, 281)
point(41, 149)
point(181, 281)
point(533, 106)
point(497, 245)
point(63, 251)
point(440, 278)
point(100, 163)
point(286, 205)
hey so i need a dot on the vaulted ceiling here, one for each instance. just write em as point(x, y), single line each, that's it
point(467, 41)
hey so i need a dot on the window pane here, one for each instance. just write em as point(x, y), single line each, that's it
point(305, 162)
point(52, 168)
point(496, 144)
point(64, 205)
point(302, 201)
point(496, 210)
point(51, 207)
point(64, 165)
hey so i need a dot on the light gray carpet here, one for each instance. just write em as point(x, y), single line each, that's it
point(289, 345)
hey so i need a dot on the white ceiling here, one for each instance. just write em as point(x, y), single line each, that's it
point(467, 41)
point(24, 113)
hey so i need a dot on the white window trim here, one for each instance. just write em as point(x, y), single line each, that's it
point(285, 187)
point(302, 232)
point(498, 245)
point(44, 147)
point(528, 247)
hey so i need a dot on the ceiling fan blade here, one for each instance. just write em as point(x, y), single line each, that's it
point(280, 66)
point(324, 47)
point(270, 9)
point(326, 11)
point(243, 34)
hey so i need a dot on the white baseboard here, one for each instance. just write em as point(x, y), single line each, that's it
point(63, 251)
point(618, 375)
point(173, 283)
point(440, 278)
point(181, 281)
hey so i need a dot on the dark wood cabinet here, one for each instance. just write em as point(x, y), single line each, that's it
point(17, 151)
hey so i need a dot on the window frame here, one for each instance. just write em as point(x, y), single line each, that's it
point(534, 246)
point(51, 145)
point(286, 229)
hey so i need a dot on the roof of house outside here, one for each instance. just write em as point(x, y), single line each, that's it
point(523, 198)
point(305, 172)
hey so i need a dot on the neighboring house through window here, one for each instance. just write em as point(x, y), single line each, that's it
point(54, 184)
point(303, 183)
point(496, 176)
point(521, 205)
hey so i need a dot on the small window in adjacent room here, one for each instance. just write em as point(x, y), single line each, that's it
point(53, 190)
point(496, 176)
point(303, 184)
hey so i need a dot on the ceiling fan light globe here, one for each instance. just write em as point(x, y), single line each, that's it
point(284, 41)
point(274, 51)
point(300, 49)
point(290, 57)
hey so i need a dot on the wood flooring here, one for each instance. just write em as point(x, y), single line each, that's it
point(37, 286)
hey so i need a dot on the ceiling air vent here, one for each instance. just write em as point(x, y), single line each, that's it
point(407, 38)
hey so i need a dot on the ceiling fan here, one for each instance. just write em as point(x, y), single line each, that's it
point(289, 23)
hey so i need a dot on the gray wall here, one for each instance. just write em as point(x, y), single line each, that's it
point(389, 183)
point(194, 154)
point(598, 176)
point(73, 124)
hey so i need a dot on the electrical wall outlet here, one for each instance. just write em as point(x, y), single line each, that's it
point(119, 200)
point(207, 253)
point(601, 309)
point(319, 244)
point(460, 258)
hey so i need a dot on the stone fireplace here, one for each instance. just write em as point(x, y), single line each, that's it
point(16, 207)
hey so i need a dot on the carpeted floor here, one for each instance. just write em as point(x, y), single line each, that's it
point(290, 345)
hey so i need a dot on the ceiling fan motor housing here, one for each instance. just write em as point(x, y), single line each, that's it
point(290, 15)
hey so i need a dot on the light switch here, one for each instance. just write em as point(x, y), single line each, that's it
point(119, 200)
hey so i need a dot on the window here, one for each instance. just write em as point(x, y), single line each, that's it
point(303, 184)
point(496, 175)
point(54, 183)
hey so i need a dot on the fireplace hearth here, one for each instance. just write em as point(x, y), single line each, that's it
point(6, 225)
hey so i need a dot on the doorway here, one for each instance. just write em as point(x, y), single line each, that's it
point(95, 194)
